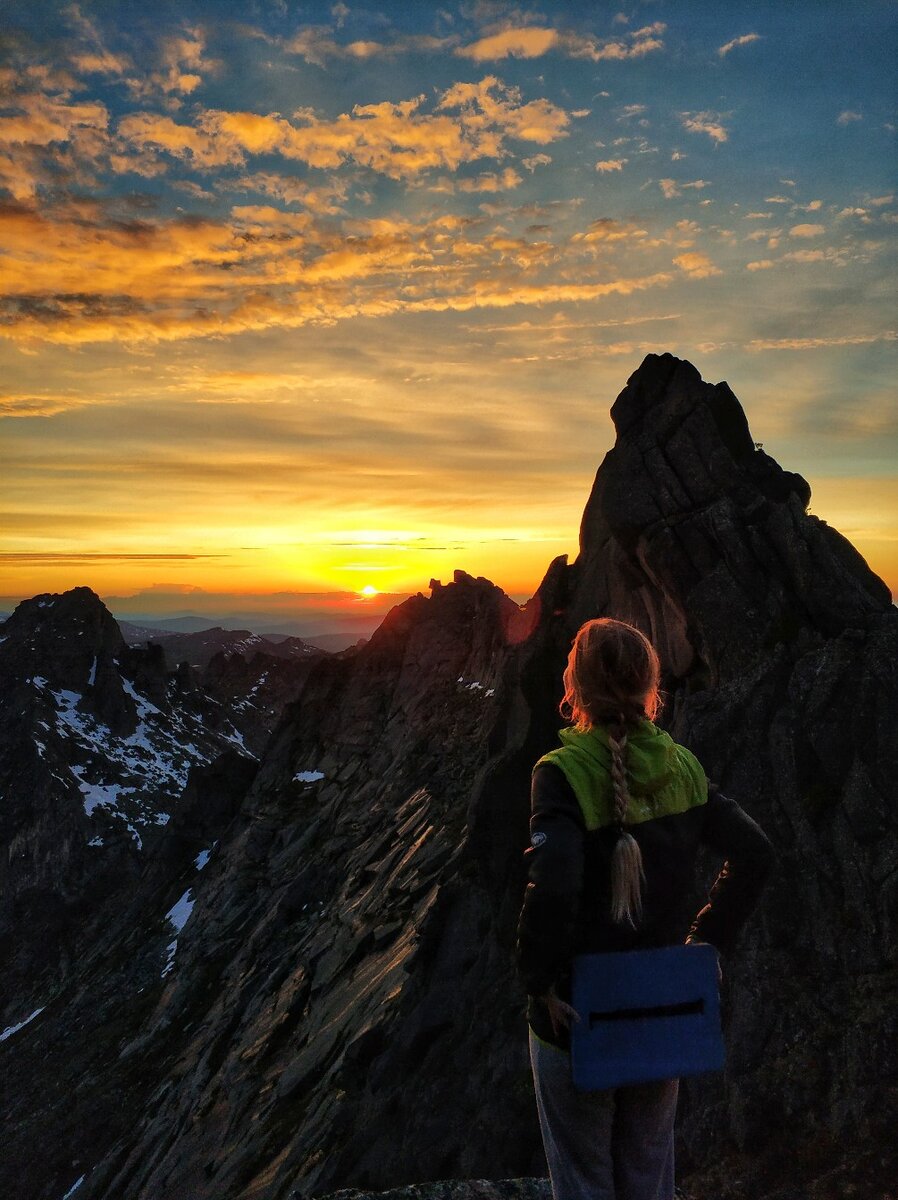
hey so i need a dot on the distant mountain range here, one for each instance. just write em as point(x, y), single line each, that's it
point(200, 647)
point(336, 633)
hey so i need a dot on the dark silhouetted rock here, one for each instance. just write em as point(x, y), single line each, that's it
point(340, 1011)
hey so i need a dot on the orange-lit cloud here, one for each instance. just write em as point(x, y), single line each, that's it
point(818, 343)
point(182, 277)
point(471, 121)
point(705, 122)
point(745, 40)
point(530, 41)
point(533, 41)
point(696, 266)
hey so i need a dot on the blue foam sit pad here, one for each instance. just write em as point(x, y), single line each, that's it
point(645, 1015)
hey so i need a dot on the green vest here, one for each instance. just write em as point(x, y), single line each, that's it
point(663, 778)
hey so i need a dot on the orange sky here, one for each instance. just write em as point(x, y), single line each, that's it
point(316, 301)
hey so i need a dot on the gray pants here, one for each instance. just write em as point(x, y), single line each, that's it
point(614, 1145)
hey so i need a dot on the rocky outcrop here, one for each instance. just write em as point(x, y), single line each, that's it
point(339, 1009)
point(251, 689)
point(97, 743)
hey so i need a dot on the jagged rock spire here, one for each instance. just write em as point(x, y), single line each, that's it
point(697, 535)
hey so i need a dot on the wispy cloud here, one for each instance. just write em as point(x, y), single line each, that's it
point(818, 343)
point(50, 556)
point(696, 265)
point(671, 188)
point(533, 41)
point(706, 122)
point(807, 231)
point(611, 164)
point(317, 44)
point(848, 117)
point(745, 40)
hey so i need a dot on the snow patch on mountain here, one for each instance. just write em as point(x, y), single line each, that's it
point(178, 915)
point(136, 778)
point(308, 776)
point(11, 1029)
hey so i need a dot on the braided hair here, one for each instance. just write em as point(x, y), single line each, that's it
point(612, 678)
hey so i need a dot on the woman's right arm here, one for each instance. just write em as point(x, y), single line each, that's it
point(749, 858)
point(555, 879)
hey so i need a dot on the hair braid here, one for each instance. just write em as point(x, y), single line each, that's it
point(627, 872)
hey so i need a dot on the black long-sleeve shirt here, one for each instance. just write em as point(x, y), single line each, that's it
point(567, 904)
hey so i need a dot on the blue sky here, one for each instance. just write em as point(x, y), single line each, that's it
point(325, 295)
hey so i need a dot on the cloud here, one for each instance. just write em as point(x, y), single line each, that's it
point(536, 160)
point(814, 256)
point(533, 41)
point(806, 231)
point(763, 264)
point(526, 42)
point(607, 229)
point(43, 120)
point(745, 40)
point(96, 58)
point(490, 103)
point(489, 181)
point(400, 140)
point(328, 199)
point(181, 66)
point(706, 122)
point(848, 117)
point(39, 404)
point(316, 44)
point(203, 147)
point(696, 265)
point(47, 138)
point(167, 279)
point(671, 188)
point(611, 164)
point(821, 342)
point(101, 63)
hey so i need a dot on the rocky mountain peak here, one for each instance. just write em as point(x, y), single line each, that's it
point(689, 522)
point(71, 643)
point(64, 633)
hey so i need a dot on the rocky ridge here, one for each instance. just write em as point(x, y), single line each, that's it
point(340, 1010)
point(98, 741)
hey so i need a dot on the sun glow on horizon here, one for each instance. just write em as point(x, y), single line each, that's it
point(275, 325)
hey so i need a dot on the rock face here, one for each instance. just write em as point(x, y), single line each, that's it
point(339, 1009)
point(97, 743)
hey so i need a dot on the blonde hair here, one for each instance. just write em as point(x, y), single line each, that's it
point(612, 678)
